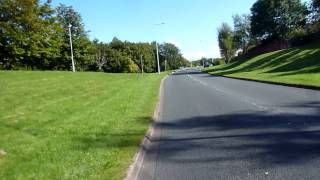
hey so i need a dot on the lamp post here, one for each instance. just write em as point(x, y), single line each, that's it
point(141, 64)
point(157, 49)
point(158, 58)
point(70, 38)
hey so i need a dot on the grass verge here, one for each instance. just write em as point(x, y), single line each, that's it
point(299, 66)
point(62, 125)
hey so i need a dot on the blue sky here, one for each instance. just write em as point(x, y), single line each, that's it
point(190, 24)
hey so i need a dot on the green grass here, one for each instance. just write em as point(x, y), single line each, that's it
point(299, 65)
point(62, 125)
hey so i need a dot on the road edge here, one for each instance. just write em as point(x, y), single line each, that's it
point(138, 159)
point(270, 82)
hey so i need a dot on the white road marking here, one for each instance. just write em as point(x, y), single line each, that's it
point(244, 99)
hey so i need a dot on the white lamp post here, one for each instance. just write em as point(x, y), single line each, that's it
point(158, 58)
point(73, 68)
point(158, 63)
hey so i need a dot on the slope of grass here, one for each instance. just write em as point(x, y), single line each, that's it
point(62, 125)
point(299, 65)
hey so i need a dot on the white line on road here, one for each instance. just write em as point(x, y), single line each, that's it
point(244, 99)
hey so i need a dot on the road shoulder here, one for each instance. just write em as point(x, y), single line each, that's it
point(139, 165)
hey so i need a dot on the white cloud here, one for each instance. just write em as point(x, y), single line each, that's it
point(212, 52)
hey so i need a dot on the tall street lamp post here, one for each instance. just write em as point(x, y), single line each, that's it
point(158, 58)
point(70, 38)
point(157, 49)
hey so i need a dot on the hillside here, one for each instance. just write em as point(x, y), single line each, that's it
point(63, 125)
point(300, 65)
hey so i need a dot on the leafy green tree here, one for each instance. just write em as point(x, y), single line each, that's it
point(136, 51)
point(170, 53)
point(119, 63)
point(35, 36)
point(45, 39)
point(225, 39)
point(99, 50)
point(29, 35)
point(275, 19)
point(117, 44)
point(148, 57)
point(15, 16)
point(242, 37)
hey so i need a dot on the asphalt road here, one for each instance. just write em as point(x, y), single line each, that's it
point(219, 128)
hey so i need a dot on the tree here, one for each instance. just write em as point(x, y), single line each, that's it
point(149, 57)
point(117, 44)
point(46, 39)
point(136, 51)
point(99, 51)
point(275, 19)
point(35, 36)
point(225, 39)
point(315, 10)
point(29, 35)
point(170, 53)
point(14, 18)
point(242, 37)
point(119, 62)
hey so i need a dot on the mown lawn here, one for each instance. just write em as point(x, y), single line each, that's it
point(299, 65)
point(63, 125)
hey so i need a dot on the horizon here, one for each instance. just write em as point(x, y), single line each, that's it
point(181, 22)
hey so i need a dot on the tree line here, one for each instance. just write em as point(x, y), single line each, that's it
point(34, 36)
point(285, 20)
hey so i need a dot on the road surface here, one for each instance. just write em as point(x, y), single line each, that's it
point(218, 128)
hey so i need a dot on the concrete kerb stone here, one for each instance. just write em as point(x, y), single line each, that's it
point(139, 157)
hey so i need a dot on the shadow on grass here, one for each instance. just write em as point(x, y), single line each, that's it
point(116, 138)
point(273, 60)
point(227, 67)
point(294, 61)
point(307, 63)
point(265, 138)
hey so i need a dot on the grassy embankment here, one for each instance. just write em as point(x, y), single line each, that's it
point(300, 66)
point(62, 125)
